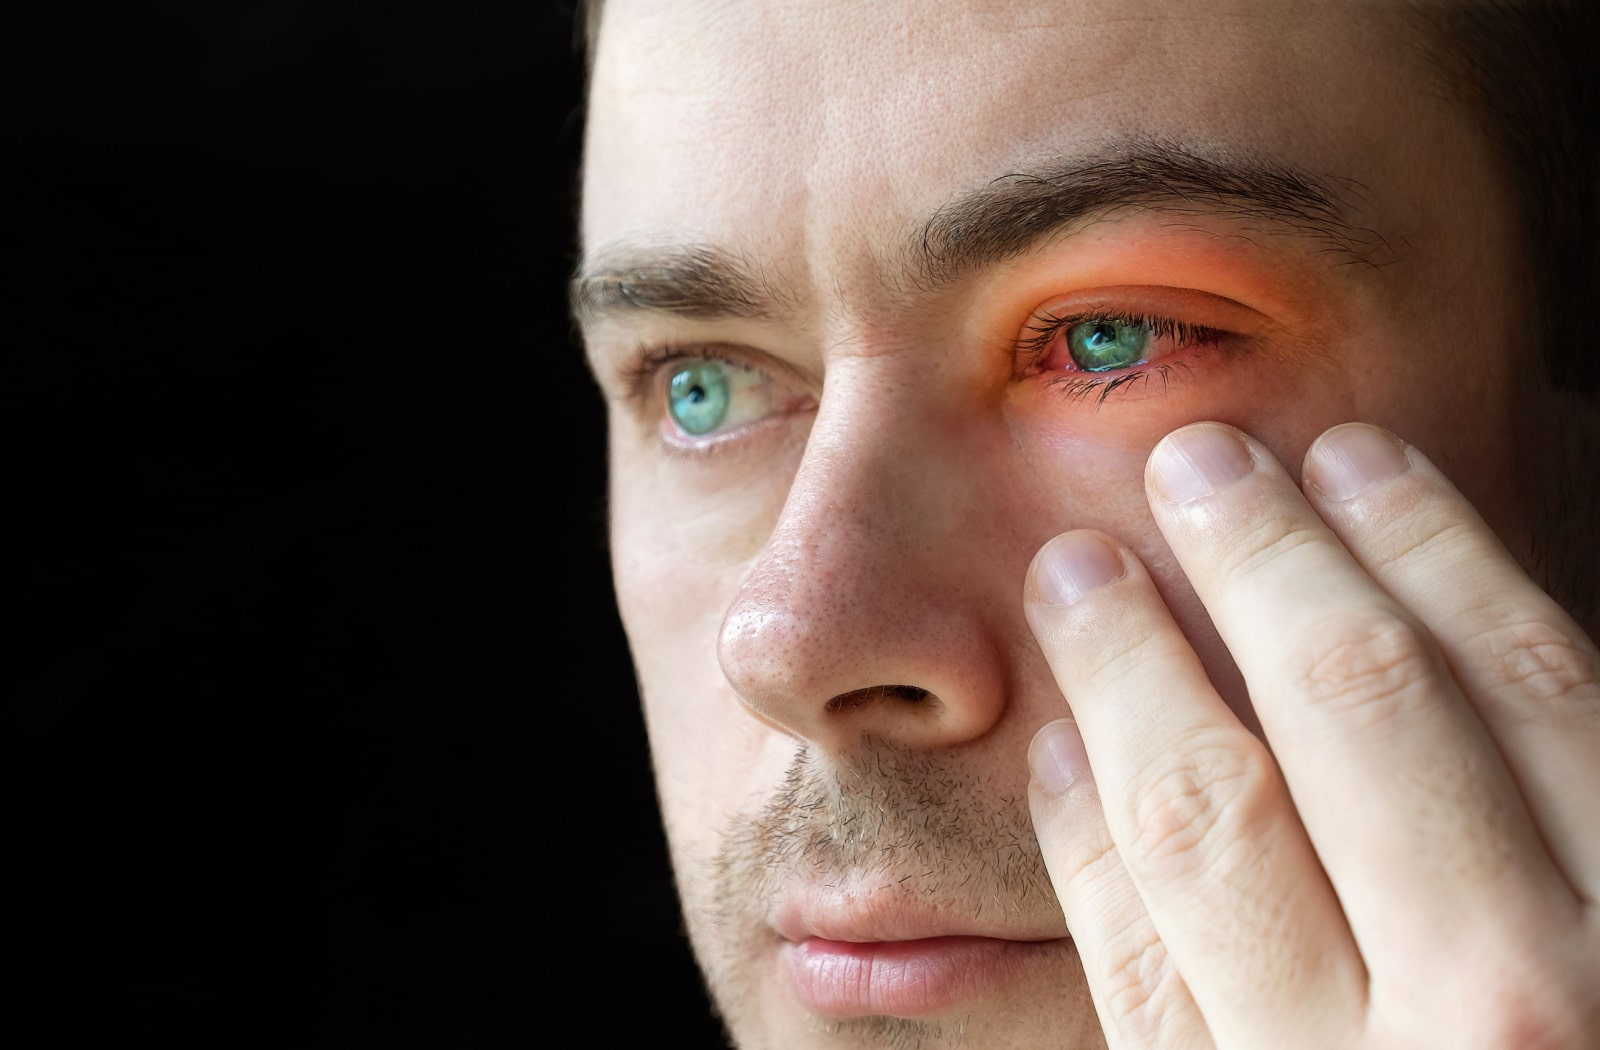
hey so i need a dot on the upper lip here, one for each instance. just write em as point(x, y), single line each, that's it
point(885, 910)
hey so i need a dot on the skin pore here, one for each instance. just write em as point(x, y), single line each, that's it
point(933, 280)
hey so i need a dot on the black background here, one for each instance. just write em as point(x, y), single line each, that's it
point(323, 731)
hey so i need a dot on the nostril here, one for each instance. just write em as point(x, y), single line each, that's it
point(862, 697)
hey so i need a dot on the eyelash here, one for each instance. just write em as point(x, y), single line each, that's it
point(640, 373)
point(1044, 327)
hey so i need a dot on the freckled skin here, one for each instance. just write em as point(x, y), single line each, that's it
point(878, 537)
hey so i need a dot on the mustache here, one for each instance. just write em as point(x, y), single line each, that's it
point(920, 820)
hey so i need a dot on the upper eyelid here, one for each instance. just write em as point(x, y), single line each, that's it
point(1196, 307)
point(648, 358)
point(642, 370)
point(1045, 327)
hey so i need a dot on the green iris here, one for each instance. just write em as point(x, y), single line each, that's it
point(1100, 346)
point(697, 397)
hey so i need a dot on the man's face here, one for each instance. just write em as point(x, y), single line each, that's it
point(890, 294)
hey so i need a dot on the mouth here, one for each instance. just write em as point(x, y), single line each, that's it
point(916, 978)
point(907, 963)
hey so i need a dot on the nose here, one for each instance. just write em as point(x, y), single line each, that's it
point(877, 604)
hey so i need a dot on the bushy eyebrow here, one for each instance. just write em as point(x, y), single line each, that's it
point(1002, 219)
point(1015, 213)
point(692, 280)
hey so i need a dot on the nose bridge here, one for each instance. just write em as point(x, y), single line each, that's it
point(866, 611)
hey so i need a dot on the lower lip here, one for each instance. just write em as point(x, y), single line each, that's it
point(905, 978)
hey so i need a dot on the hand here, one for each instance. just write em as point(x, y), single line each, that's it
point(1412, 857)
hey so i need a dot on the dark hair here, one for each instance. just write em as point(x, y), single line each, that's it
point(1525, 67)
point(586, 28)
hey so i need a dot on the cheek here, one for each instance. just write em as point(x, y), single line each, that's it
point(1092, 465)
point(704, 749)
point(679, 557)
point(1092, 458)
point(674, 581)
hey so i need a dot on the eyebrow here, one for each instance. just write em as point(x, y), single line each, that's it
point(1004, 218)
point(691, 280)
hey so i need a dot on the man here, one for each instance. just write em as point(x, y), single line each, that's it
point(1045, 439)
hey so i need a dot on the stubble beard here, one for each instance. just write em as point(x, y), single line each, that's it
point(912, 825)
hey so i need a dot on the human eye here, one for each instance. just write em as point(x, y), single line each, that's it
point(705, 394)
point(1095, 350)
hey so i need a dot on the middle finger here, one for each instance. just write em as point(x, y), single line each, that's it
point(1403, 794)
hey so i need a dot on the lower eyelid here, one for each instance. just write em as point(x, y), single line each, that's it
point(1158, 378)
point(1099, 387)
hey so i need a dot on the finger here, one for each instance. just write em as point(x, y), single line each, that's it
point(1525, 664)
point(1138, 994)
point(1194, 803)
point(1413, 813)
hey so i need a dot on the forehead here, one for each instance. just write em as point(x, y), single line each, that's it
point(821, 132)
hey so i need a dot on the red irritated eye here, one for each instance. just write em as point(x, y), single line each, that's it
point(1105, 343)
point(1094, 352)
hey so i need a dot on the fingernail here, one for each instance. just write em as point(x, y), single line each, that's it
point(1198, 461)
point(1056, 757)
point(1072, 565)
point(1351, 457)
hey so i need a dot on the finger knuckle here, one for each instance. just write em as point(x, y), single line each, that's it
point(1535, 1016)
point(1114, 662)
point(1139, 985)
point(1529, 991)
point(1437, 539)
point(1370, 667)
point(1268, 539)
point(1197, 805)
point(1551, 673)
point(1093, 863)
